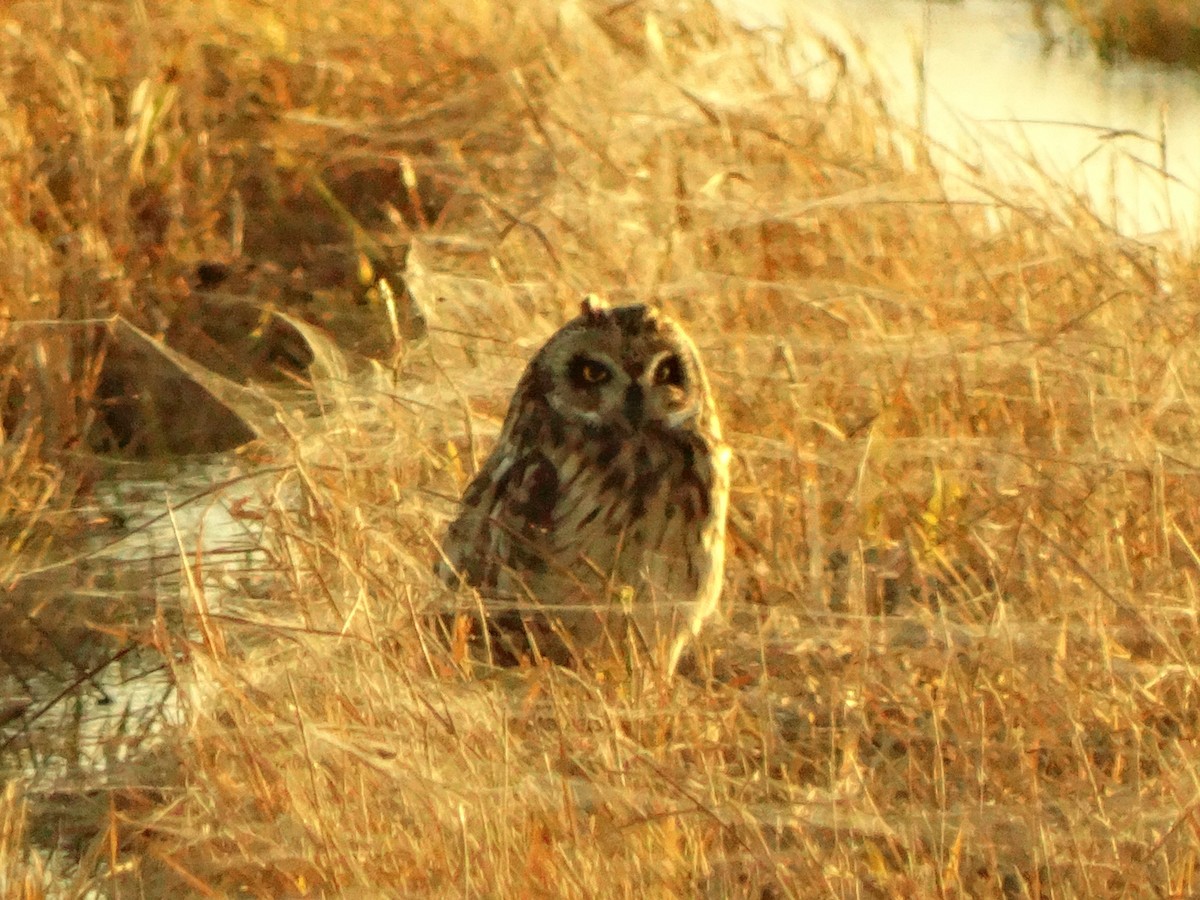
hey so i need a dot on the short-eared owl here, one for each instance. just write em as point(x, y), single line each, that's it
point(600, 514)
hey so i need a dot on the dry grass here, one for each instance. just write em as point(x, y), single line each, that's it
point(962, 595)
point(1166, 31)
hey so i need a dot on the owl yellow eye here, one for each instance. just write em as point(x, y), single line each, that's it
point(669, 371)
point(587, 372)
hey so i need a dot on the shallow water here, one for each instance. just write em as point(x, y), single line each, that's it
point(990, 91)
point(92, 700)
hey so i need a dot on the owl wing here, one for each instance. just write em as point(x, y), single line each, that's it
point(507, 511)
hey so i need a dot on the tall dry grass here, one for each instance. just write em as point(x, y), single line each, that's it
point(961, 610)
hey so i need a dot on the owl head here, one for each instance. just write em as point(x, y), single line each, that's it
point(630, 368)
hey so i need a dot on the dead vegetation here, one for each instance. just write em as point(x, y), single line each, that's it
point(961, 602)
point(1163, 31)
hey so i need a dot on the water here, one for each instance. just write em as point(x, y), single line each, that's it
point(977, 78)
point(94, 700)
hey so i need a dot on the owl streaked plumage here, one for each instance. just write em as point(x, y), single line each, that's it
point(599, 517)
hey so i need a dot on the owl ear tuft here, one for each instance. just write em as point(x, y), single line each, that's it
point(593, 307)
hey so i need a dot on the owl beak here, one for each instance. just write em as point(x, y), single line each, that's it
point(635, 406)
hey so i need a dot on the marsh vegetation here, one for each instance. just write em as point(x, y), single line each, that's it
point(316, 242)
point(1165, 31)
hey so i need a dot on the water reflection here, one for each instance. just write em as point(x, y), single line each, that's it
point(993, 93)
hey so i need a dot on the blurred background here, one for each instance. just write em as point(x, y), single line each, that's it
point(1104, 97)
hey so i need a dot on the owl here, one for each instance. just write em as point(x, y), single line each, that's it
point(599, 517)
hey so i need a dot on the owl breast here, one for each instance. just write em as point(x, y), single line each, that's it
point(611, 537)
point(631, 514)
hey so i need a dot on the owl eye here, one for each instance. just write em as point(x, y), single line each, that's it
point(587, 372)
point(669, 371)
